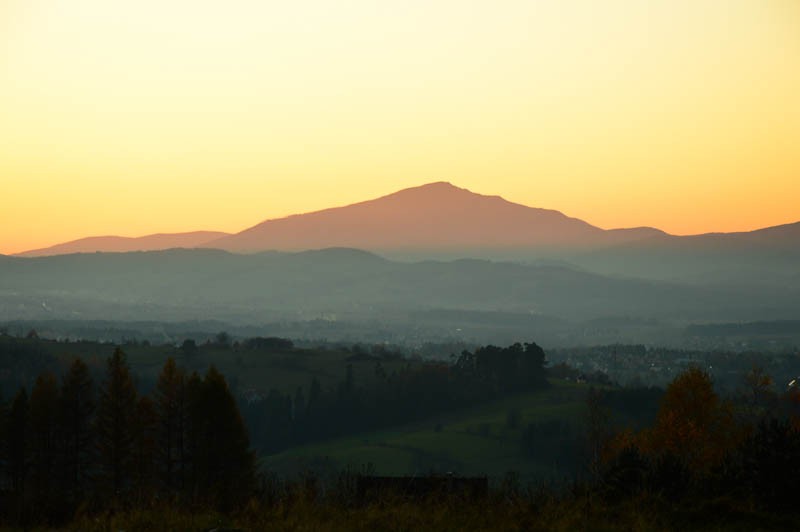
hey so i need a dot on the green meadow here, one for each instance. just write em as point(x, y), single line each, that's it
point(482, 440)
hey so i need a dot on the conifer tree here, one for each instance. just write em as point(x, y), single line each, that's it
point(115, 416)
point(170, 398)
point(192, 433)
point(225, 463)
point(77, 409)
point(43, 439)
point(3, 438)
point(17, 447)
point(145, 430)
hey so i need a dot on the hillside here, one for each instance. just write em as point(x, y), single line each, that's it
point(766, 256)
point(121, 244)
point(185, 284)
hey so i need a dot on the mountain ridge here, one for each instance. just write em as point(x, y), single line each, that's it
point(123, 244)
point(437, 216)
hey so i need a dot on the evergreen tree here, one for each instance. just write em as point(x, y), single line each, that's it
point(43, 440)
point(17, 446)
point(115, 416)
point(171, 409)
point(3, 439)
point(190, 450)
point(145, 436)
point(225, 463)
point(77, 408)
point(532, 367)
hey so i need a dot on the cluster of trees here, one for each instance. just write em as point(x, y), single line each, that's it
point(21, 361)
point(279, 420)
point(704, 447)
point(68, 445)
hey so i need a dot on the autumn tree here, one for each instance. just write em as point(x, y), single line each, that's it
point(115, 417)
point(692, 423)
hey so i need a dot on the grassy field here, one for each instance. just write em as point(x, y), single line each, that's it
point(473, 441)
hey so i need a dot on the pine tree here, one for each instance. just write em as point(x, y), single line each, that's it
point(4, 412)
point(18, 441)
point(115, 416)
point(170, 396)
point(225, 463)
point(77, 408)
point(43, 440)
point(145, 435)
point(192, 434)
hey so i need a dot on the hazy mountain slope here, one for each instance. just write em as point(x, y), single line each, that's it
point(216, 284)
point(123, 244)
point(764, 256)
point(442, 221)
point(437, 216)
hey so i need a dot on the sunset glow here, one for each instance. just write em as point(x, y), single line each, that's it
point(129, 118)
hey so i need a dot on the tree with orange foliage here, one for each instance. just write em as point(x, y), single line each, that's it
point(693, 424)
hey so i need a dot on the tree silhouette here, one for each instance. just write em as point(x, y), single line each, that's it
point(598, 430)
point(170, 404)
point(757, 398)
point(145, 434)
point(222, 339)
point(189, 347)
point(115, 417)
point(225, 463)
point(44, 440)
point(17, 433)
point(77, 409)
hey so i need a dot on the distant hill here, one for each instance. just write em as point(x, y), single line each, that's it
point(776, 237)
point(442, 221)
point(203, 283)
point(763, 256)
point(154, 242)
point(437, 216)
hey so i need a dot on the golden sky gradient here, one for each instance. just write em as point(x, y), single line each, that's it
point(133, 117)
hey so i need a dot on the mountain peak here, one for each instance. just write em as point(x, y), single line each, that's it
point(439, 185)
point(435, 188)
point(436, 215)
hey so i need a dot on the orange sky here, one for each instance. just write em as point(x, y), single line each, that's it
point(121, 117)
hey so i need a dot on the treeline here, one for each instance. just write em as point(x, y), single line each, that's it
point(705, 463)
point(70, 444)
point(279, 420)
point(740, 452)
